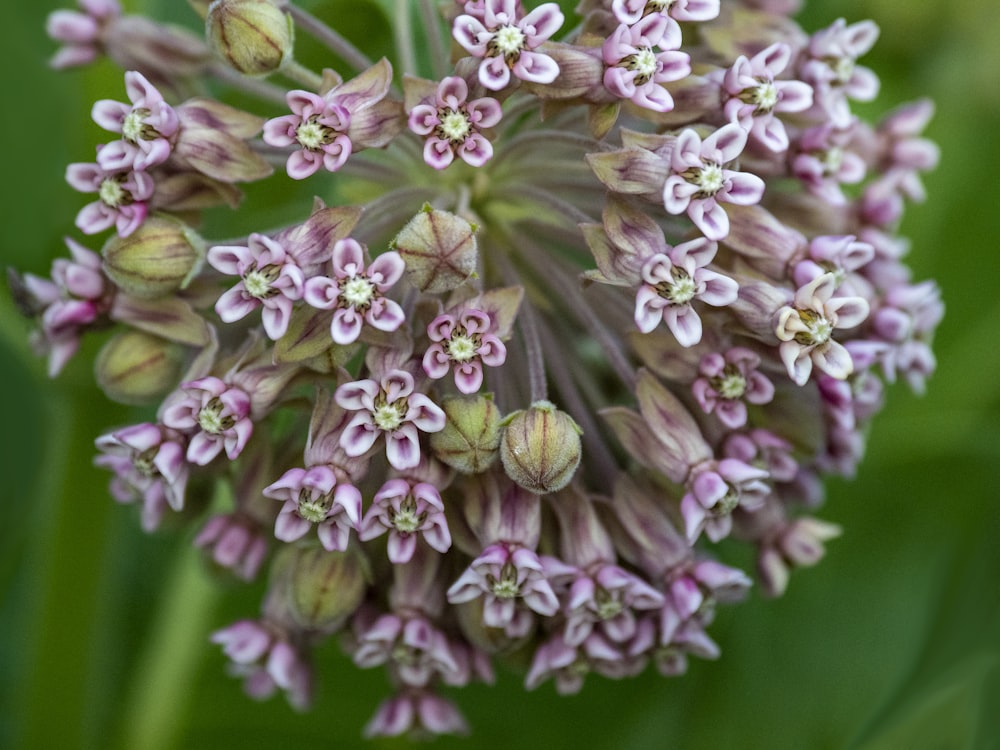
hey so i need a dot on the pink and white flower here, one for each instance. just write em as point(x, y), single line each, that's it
point(715, 491)
point(270, 278)
point(699, 181)
point(806, 327)
point(507, 40)
point(452, 125)
point(641, 57)
point(631, 11)
point(389, 407)
point(465, 342)
point(122, 197)
point(406, 509)
point(147, 127)
point(317, 128)
point(314, 497)
point(672, 281)
point(752, 95)
point(215, 413)
point(727, 381)
point(356, 293)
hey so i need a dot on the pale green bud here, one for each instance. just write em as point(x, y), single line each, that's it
point(135, 367)
point(439, 248)
point(324, 588)
point(541, 447)
point(155, 260)
point(253, 36)
point(470, 440)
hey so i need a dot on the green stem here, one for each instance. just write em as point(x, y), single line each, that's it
point(403, 34)
point(165, 671)
point(297, 72)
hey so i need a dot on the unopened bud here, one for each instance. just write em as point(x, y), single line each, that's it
point(541, 448)
point(439, 249)
point(137, 368)
point(324, 588)
point(253, 36)
point(154, 261)
point(470, 440)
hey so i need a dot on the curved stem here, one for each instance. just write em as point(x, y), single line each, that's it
point(299, 73)
point(329, 38)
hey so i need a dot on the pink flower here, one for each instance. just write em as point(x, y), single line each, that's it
point(605, 599)
point(236, 543)
point(122, 197)
point(405, 509)
point(80, 33)
point(506, 40)
point(512, 581)
point(318, 127)
point(715, 491)
point(356, 293)
point(830, 68)
point(699, 181)
point(630, 11)
point(464, 341)
point(805, 328)
point(418, 711)
point(388, 407)
point(727, 381)
point(148, 462)
point(452, 125)
point(416, 649)
point(635, 71)
point(824, 162)
point(752, 95)
point(314, 497)
point(269, 278)
point(147, 127)
point(268, 661)
point(218, 415)
point(77, 295)
point(672, 281)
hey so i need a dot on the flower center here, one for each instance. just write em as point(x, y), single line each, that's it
point(454, 125)
point(680, 290)
point(357, 292)
point(608, 606)
point(314, 509)
point(819, 329)
point(258, 282)
point(764, 96)
point(406, 520)
point(709, 179)
point(506, 586)
point(389, 417)
point(832, 159)
point(507, 41)
point(113, 194)
point(313, 136)
point(211, 420)
point(144, 464)
point(843, 69)
point(462, 347)
point(730, 384)
point(727, 503)
point(644, 63)
point(134, 127)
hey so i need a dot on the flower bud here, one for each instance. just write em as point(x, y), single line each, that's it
point(137, 368)
point(156, 259)
point(540, 448)
point(439, 249)
point(324, 588)
point(253, 36)
point(470, 440)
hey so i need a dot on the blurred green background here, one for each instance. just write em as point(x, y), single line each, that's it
point(892, 642)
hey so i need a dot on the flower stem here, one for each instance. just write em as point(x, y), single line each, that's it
point(432, 25)
point(302, 75)
point(330, 38)
point(162, 687)
point(403, 34)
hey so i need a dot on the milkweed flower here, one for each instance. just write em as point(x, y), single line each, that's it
point(560, 314)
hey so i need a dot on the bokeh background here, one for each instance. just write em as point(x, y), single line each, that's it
point(893, 642)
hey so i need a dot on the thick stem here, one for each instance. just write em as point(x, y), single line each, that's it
point(403, 35)
point(302, 75)
point(432, 26)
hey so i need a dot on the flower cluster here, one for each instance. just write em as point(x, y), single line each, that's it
point(512, 405)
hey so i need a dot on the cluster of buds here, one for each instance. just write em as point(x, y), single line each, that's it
point(509, 401)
